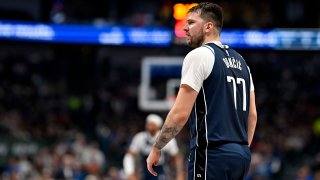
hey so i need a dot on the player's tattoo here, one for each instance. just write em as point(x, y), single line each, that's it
point(166, 134)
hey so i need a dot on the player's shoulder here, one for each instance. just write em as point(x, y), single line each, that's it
point(235, 52)
point(199, 52)
point(239, 56)
point(199, 55)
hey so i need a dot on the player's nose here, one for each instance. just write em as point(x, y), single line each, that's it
point(186, 28)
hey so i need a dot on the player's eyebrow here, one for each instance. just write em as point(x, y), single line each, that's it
point(190, 20)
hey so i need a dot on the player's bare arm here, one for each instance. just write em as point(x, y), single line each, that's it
point(252, 118)
point(176, 119)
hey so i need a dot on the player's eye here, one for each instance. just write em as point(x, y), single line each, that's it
point(189, 21)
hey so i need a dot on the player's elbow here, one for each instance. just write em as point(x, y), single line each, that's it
point(253, 116)
point(253, 110)
point(180, 117)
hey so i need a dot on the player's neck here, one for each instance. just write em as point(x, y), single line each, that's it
point(211, 39)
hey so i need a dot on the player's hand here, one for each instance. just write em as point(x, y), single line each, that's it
point(153, 159)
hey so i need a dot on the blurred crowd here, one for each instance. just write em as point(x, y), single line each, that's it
point(238, 14)
point(85, 109)
point(68, 158)
point(78, 114)
point(286, 144)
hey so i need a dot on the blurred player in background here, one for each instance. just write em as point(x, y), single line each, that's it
point(217, 95)
point(141, 145)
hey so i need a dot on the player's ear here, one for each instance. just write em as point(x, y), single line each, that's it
point(208, 26)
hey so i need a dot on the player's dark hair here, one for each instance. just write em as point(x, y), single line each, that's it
point(210, 12)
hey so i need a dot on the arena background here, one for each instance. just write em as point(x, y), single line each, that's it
point(74, 99)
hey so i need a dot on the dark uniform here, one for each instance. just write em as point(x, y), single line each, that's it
point(219, 144)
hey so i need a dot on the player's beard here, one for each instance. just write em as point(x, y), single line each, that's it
point(196, 40)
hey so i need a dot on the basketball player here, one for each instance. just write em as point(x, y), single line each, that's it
point(217, 95)
point(141, 146)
